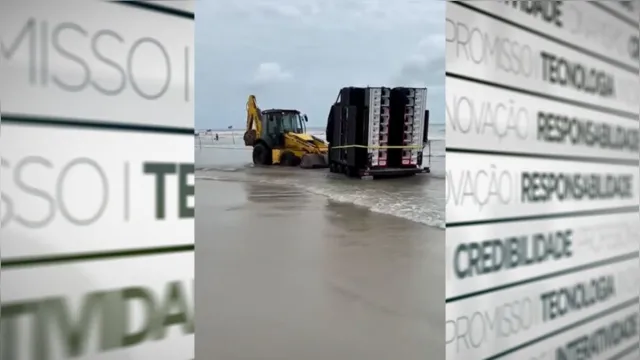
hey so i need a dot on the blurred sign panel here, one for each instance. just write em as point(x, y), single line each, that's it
point(542, 180)
point(102, 61)
point(97, 180)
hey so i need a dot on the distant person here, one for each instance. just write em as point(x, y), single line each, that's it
point(217, 137)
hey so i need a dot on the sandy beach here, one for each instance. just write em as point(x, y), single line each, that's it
point(289, 275)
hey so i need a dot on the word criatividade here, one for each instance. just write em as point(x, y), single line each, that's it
point(606, 337)
point(106, 311)
point(56, 200)
point(509, 119)
point(501, 187)
point(514, 317)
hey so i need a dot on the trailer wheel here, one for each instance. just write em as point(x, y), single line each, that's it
point(261, 155)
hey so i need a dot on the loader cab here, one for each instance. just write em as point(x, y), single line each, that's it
point(277, 122)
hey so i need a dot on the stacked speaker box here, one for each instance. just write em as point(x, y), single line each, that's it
point(379, 117)
point(408, 125)
point(368, 127)
point(413, 125)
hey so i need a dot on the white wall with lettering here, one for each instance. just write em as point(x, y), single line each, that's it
point(97, 180)
point(542, 180)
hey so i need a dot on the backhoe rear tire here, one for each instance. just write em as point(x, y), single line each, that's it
point(262, 155)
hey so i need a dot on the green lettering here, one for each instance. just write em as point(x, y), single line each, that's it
point(174, 311)
point(8, 326)
point(185, 190)
point(103, 315)
point(114, 321)
point(145, 297)
point(75, 334)
point(160, 170)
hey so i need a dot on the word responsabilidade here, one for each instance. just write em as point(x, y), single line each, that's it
point(557, 128)
point(545, 186)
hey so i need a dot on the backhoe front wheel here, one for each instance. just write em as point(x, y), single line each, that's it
point(289, 159)
point(261, 155)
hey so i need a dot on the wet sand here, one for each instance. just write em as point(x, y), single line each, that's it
point(282, 274)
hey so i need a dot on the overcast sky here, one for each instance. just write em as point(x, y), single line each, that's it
point(299, 53)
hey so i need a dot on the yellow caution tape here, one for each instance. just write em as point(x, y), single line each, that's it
point(378, 147)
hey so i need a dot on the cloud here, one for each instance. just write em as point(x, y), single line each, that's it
point(269, 73)
point(426, 65)
point(285, 10)
point(336, 14)
point(299, 53)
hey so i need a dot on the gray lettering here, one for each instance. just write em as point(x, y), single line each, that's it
point(28, 30)
point(60, 192)
point(70, 56)
point(135, 86)
point(94, 46)
point(505, 320)
point(29, 189)
point(479, 46)
point(7, 208)
point(187, 75)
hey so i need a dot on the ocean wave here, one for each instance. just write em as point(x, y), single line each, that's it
point(225, 147)
point(435, 153)
point(370, 201)
point(412, 209)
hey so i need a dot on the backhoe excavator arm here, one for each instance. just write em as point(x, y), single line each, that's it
point(253, 116)
point(254, 122)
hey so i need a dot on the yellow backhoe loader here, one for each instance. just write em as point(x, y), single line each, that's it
point(278, 136)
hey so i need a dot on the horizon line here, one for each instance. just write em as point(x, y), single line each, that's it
point(315, 127)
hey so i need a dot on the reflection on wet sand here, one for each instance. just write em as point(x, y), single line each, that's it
point(284, 274)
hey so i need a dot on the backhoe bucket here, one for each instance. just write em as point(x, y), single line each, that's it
point(249, 137)
point(314, 161)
